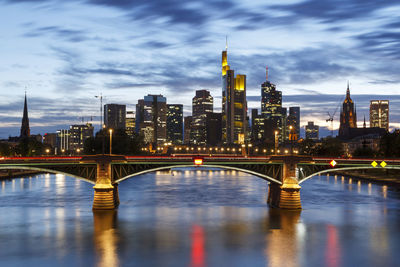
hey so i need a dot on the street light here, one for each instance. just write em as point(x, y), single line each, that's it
point(111, 131)
point(276, 141)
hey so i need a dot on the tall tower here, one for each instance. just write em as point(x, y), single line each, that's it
point(202, 104)
point(25, 131)
point(348, 115)
point(379, 114)
point(234, 104)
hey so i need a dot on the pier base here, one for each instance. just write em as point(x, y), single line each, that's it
point(104, 198)
point(286, 196)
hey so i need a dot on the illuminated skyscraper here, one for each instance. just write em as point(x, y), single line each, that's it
point(114, 116)
point(175, 123)
point(312, 131)
point(379, 114)
point(25, 130)
point(293, 120)
point(187, 124)
point(78, 134)
point(130, 123)
point(271, 110)
point(348, 116)
point(257, 127)
point(234, 105)
point(151, 119)
point(202, 103)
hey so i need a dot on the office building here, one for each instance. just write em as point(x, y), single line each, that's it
point(257, 127)
point(63, 140)
point(115, 116)
point(213, 128)
point(175, 123)
point(312, 131)
point(293, 123)
point(130, 123)
point(78, 135)
point(234, 104)
point(187, 124)
point(379, 114)
point(202, 103)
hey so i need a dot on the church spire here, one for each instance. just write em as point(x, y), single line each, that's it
point(365, 124)
point(348, 90)
point(25, 131)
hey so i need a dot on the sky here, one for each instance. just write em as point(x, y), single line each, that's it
point(64, 53)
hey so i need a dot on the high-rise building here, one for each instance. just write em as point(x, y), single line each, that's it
point(187, 124)
point(25, 130)
point(379, 114)
point(213, 128)
point(234, 104)
point(151, 119)
point(50, 139)
point(115, 116)
point(175, 123)
point(78, 134)
point(202, 103)
point(271, 110)
point(293, 122)
point(312, 131)
point(257, 127)
point(130, 123)
point(348, 116)
point(63, 140)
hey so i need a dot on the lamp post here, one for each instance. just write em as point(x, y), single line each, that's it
point(111, 131)
point(102, 126)
point(276, 142)
point(291, 138)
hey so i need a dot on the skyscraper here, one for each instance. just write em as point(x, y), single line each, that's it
point(213, 128)
point(130, 123)
point(312, 131)
point(271, 110)
point(175, 123)
point(202, 103)
point(348, 116)
point(25, 130)
point(187, 124)
point(257, 127)
point(234, 104)
point(379, 114)
point(115, 116)
point(151, 118)
point(78, 134)
point(293, 120)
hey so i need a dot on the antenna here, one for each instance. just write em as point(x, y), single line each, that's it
point(266, 72)
point(226, 42)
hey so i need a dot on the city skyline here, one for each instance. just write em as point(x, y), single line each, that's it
point(64, 54)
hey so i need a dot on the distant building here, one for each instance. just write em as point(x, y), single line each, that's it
point(63, 140)
point(175, 123)
point(213, 128)
point(379, 114)
point(271, 110)
point(130, 123)
point(151, 119)
point(257, 127)
point(234, 104)
point(78, 134)
point(293, 120)
point(312, 131)
point(348, 116)
point(202, 103)
point(50, 139)
point(25, 130)
point(187, 124)
point(115, 116)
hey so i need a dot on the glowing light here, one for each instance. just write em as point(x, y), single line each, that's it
point(198, 161)
point(383, 164)
point(374, 164)
point(333, 163)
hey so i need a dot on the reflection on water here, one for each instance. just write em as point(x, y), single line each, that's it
point(196, 217)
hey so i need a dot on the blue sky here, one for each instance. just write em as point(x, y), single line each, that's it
point(66, 52)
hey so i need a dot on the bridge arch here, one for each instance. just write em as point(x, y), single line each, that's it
point(45, 170)
point(262, 176)
point(345, 169)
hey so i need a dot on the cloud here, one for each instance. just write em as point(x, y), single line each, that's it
point(59, 33)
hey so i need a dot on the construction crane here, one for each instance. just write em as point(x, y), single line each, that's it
point(330, 119)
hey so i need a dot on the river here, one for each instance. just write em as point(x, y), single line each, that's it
point(196, 218)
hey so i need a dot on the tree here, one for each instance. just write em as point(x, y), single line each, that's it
point(390, 144)
point(28, 147)
point(332, 147)
point(121, 143)
point(5, 149)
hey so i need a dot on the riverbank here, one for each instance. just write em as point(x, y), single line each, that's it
point(380, 176)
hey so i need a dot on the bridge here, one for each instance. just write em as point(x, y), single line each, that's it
point(284, 173)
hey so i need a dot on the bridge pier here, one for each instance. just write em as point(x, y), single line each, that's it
point(105, 194)
point(287, 195)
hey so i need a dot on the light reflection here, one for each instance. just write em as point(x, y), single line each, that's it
point(332, 252)
point(198, 252)
point(3, 185)
point(335, 179)
point(359, 186)
point(13, 185)
point(281, 241)
point(369, 188)
point(21, 183)
point(384, 191)
point(105, 237)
